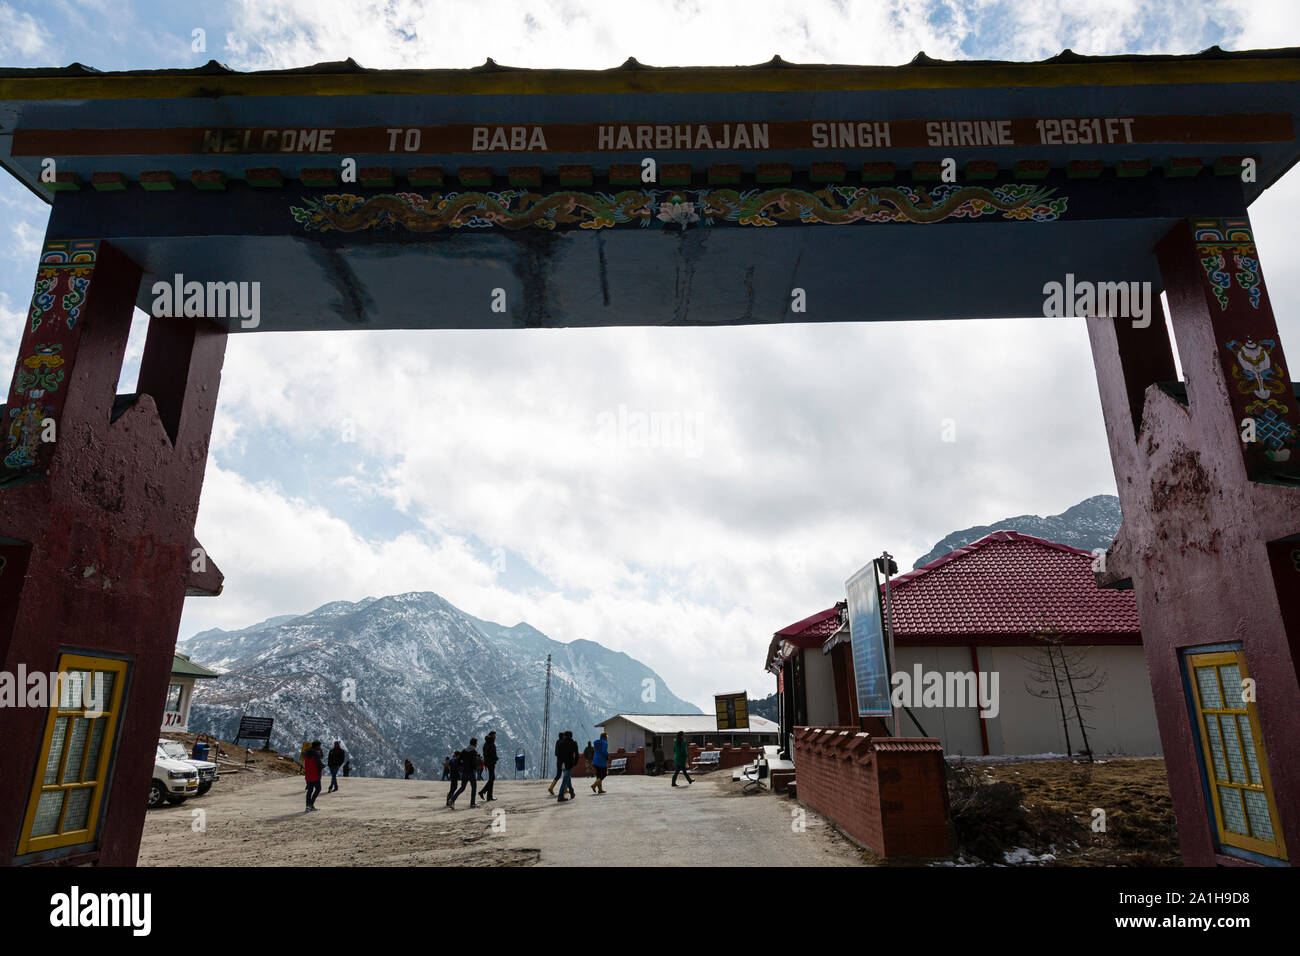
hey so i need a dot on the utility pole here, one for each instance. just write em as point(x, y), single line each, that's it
point(546, 720)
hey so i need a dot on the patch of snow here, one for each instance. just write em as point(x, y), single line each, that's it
point(1021, 855)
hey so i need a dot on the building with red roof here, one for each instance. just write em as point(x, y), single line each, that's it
point(1002, 646)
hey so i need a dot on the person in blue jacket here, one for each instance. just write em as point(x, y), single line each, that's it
point(600, 760)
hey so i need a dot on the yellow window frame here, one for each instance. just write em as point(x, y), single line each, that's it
point(1214, 660)
point(111, 709)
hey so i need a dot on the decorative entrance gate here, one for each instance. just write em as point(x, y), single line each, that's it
point(337, 197)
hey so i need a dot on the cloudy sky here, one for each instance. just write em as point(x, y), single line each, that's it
point(488, 471)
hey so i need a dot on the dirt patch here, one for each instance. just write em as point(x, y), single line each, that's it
point(1050, 807)
point(239, 767)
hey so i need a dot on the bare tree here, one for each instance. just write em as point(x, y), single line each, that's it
point(1059, 671)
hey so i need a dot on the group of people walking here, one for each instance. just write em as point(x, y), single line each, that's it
point(466, 767)
point(314, 763)
point(566, 759)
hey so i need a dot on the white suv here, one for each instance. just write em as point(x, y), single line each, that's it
point(206, 768)
point(173, 780)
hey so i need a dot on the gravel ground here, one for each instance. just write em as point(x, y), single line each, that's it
point(380, 822)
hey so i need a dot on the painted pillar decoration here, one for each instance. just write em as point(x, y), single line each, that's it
point(1256, 370)
point(98, 498)
point(1210, 540)
point(48, 349)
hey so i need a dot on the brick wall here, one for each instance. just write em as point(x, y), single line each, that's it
point(887, 793)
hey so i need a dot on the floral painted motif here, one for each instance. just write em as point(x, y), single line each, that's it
point(24, 434)
point(35, 394)
point(515, 209)
point(1223, 241)
point(1257, 374)
point(40, 372)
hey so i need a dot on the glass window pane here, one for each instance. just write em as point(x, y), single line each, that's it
point(106, 678)
point(76, 749)
point(47, 812)
point(73, 689)
point(96, 742)
point(101, 692)
point(1232, 747)
point(1248, 740)
point(56, 750)
point(1216, 747)
point(1230, 677)
point(1209, 688)
point(1234, 817)
point(1257, 809)
point(173, 699)
point(78, 807)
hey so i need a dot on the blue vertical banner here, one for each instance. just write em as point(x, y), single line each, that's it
point(867, 636)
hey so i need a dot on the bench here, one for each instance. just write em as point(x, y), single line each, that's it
point(618, 765)
point(707, 760)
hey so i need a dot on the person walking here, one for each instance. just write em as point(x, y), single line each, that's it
point(410, 769)
point(312, 765)
point(335, 762)
point(587, 753)
point(469, 763)
point(490, 762)
point(559, 763)
point(453, 771)
point(446, 768)
point(681, 756)
point(569, 755)
point(347, 769)
point(600, 760)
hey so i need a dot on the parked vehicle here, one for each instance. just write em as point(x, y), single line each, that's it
point(173, 780)
point(206, 768)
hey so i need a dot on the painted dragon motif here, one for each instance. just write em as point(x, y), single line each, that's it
point(516, 209)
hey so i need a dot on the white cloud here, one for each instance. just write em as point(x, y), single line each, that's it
point(23, 35)
point(821, 444)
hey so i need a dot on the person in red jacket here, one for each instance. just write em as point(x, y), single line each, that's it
point(312, 765)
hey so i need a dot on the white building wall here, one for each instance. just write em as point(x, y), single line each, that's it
point(819, 677)
point(178, 721)
point(1121, 721)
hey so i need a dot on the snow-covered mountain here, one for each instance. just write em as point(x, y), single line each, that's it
point(410, 675)
point(1090, 524)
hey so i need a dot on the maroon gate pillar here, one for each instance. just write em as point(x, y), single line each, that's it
point(97, 547)
point(1209, 540)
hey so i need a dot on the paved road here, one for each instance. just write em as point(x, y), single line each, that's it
point(639, 821)
point(645, 821)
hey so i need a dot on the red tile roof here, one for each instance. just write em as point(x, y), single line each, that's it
point(812, 631)
point(1010, 584)
point(820, 626)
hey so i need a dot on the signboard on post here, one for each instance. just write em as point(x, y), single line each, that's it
point(867, 635)
point(733, 710)
point(254, 728)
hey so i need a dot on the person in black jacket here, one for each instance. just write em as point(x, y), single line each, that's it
point(490, 762)
point(468, 769)
point(559, 762)
point(335, 761)
point(568, 754)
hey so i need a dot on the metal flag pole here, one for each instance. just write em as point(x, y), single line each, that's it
point(886, 564)
point(546, 720)
point(889, 567)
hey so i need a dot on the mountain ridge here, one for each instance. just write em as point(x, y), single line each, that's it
point(411, 675)
point(1088, 525)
